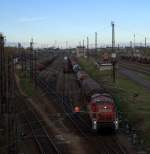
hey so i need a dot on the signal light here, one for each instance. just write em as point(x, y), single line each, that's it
point(77, 109)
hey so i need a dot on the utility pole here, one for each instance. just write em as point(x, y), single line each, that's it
point(21, 55)
point(2, 76)
point(145, 42)
point(7, 94)
point(131, 44)
point(31, 59)
point(83, 43)
point(13, 103)
point(87, 39)
point(25, 62)
point(35, 69)
point(134, 42)
point(11, 106)
point(66, 44)
point(113, 36)
point(83, 48)
point(96, 42)
point(113, 52)
point(118, 46)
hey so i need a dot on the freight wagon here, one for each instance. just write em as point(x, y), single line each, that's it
point(67, 67)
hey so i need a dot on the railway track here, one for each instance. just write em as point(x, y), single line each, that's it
point(67, 107)
point(44, 143)
point(107, 144)
point(135, 67)
point(102, 146)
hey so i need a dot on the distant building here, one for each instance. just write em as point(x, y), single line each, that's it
point(137, 54)
point(80, 51)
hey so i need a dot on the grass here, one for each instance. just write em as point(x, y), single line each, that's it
point(136, 109)
point(26, 84)
point(134, 99)
point(146, 77)
point(90, 68)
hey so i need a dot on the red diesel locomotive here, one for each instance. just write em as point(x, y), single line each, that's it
point(100, 105)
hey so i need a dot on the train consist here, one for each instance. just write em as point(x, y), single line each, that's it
point(41, 65)
point(139, 59)
point(67, 67)
point(100, 104)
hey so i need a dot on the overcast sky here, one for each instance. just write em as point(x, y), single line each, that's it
point(57, 21)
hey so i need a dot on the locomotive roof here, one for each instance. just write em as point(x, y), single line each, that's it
point(91, 87)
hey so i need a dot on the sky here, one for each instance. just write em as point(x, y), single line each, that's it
point(53, 22)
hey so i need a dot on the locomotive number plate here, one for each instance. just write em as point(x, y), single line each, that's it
point(105, 110)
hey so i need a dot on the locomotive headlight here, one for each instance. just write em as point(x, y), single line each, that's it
point(95, 122)
point(94, 125)
point(116, 124)
point(105, 107)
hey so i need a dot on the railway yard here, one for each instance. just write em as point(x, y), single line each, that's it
point(66, 105)
point(75, 77)
point(137, 73)
point(48, 123)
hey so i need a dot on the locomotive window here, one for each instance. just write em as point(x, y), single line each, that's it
point(103, 100)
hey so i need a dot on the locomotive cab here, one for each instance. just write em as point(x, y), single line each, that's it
point(103, 112)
